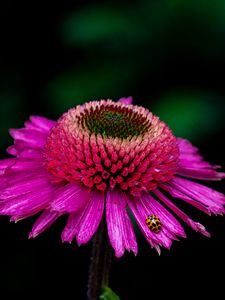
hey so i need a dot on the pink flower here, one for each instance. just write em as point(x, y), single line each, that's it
point(110, 156)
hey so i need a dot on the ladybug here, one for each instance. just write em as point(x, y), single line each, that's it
point(153, 223)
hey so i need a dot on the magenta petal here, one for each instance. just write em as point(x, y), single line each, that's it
point(161, 238)
point(179, 194)
point(31, 153)
point(185, 163)
point(146, 206)
point(202, 174)
point(42, 123)
point(126, 100)
point(192, 164)
point(119, 225)
point(25, 152)
point(190, 157)
point(213, 200)
point(77, 221)
point(196, 226)
point(30, 125)
point(12, 150)
point(12, 178)
point(31, 138)
point(186, 147)
point(28, 203)
point(5, 163)
point(24, 187)
point(169, 222)
point(140, 219)
point(72, 227)
point(24, 164)
point(9, 180)
point(130, 241)
point(46, 219)
point(91, 217)
point(70, 198)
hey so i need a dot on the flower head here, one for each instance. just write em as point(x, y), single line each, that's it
point(106, 155)
point(104, 145)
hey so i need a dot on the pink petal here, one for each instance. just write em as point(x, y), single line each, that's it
point(126, 100)
point(70, 198)
point(5, 163)
point(119, 225)
point(186, 163)
point(213, 200)
point(30, 138)
point(28, 203)
point(72, 226)
point(196, 226)
point(147, 205)
point(46, 219)
point(192, 164)
point(202, 174)
point(91, 217)
point(8, 180)
point(178, 194)
point(16, 173)
point(42, 123)
point(12, 150)
point(84, 222)
point(24, 164)
point(190, 157)
point(25, 152)
point(186, 147)
point(31, 153)
point(24, 187)
point(140, 219)
point(167, 219)
point(11, 178)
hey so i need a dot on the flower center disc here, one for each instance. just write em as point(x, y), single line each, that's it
point(114, 121)
point(105, 144)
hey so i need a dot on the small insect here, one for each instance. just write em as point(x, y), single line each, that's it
point(153, 223)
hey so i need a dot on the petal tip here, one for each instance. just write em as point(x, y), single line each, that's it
point(158, 249)
point(126, 100)
point(31, 235)
point(119, 253)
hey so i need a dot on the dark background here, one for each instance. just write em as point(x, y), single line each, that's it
point(170, 56)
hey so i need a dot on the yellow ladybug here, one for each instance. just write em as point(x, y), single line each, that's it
point(153, 223)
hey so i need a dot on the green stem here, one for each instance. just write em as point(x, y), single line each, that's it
point(100, 263)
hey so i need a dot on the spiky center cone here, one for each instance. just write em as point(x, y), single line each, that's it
point(106, 144)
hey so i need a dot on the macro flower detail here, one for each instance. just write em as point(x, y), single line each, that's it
point(106, 144)
point(106, 159)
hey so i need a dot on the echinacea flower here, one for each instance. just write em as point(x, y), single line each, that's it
point(111, 158)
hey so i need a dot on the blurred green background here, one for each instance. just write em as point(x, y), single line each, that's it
point(168, 54)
